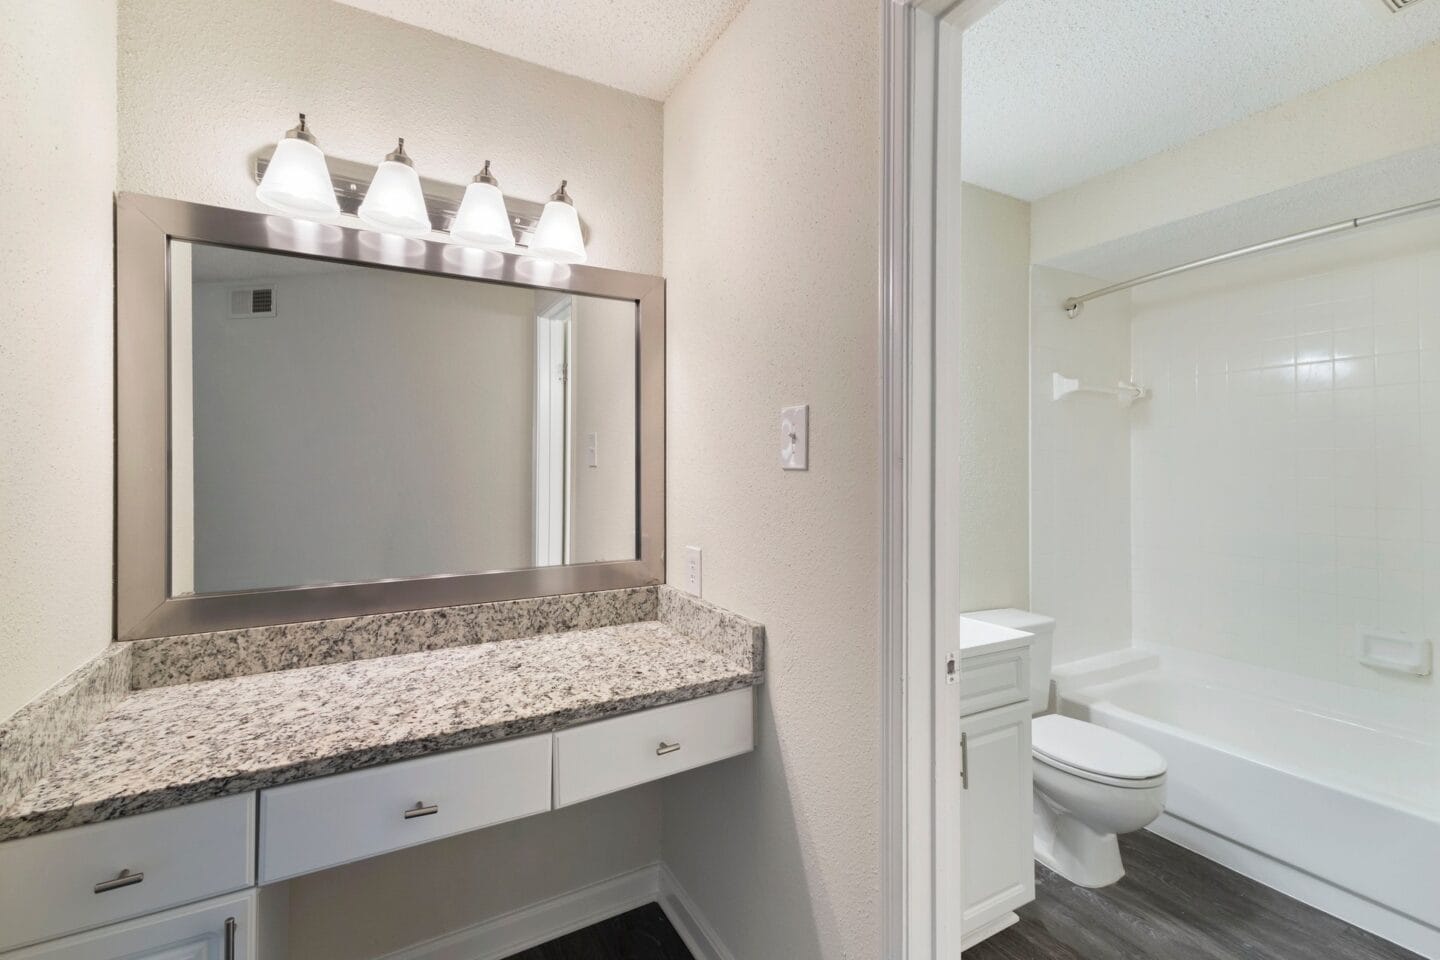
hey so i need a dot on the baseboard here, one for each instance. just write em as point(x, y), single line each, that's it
point(688, 921)
point(984, 932)
point(531, 926)
point(1305, 887)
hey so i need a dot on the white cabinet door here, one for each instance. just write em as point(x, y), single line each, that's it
point(997, 869)
point(219, 929)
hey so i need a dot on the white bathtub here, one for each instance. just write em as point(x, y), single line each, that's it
point(1328, 794)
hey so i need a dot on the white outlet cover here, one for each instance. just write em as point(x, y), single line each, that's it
point(692, 570)
point(795, 437)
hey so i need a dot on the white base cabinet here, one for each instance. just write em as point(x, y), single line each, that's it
point(94, 877)
point(219, 929)
point(997, 865)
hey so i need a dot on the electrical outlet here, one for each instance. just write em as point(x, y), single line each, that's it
point(692, 570)
point(795, 437)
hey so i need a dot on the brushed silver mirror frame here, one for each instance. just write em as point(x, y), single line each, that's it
point(144, 227)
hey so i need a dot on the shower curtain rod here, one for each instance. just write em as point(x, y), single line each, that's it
point(1075, 304)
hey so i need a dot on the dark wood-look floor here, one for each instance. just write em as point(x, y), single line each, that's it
point(642, 934)
point(1175, 905)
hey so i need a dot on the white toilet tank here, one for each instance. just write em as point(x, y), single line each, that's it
point(1041, 648)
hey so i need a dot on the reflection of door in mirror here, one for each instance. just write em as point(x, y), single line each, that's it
point(552, 419)
point(335, 423)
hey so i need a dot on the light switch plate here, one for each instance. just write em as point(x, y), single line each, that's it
point(592, 449)
point(692, 570)
point(795, 437)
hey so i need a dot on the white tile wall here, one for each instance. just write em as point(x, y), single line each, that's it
point(1079, 469)
point(1285, 477)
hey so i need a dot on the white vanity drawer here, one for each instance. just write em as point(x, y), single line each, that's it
point(610, 755)
point(320, 823)
point(994, 680)
point(49, 883)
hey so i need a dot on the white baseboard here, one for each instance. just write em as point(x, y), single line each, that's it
point(540, 922)
point(1307, 888)
point(688, 921)
point(531, 926)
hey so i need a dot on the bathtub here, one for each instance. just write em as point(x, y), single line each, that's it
point(1326, 793)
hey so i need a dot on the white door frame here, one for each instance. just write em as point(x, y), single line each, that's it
point(551, 448)
point(920, 703)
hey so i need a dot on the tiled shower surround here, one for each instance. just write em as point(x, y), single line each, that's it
point(1285, 476)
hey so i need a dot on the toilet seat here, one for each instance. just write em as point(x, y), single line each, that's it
point(1095, 753)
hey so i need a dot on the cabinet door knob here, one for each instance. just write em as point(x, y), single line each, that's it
point(420, 810)
point(125, 879)
point(230, 926)
point(665, 748)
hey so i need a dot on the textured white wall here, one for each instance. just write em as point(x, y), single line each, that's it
point(994, 400)
point(1079, 468)
point(57, 108)
point(771, 259)
point(204, 86)
point(1307, 138)
point(1284, 474)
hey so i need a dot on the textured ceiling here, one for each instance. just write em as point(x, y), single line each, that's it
point(1059, 91)
point(643, 46)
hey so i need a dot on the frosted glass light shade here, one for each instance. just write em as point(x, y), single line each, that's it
point(482, 219)
point(557, 236)
point(297, 182)
point(394, 203)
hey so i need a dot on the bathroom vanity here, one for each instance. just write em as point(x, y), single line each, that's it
point(389, 569)
point(158, 832)
point(997, 869)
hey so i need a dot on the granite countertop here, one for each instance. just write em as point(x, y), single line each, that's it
point(171, 745)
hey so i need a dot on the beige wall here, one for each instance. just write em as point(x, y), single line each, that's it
point(1304, 139)
point(57, 110)
point(205, 85)
point(994, 410)
point(377, 906)
point(771, 260)
point(379, 425)
point(602, 402)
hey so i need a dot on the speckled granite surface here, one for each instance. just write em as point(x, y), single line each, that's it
point(728, 634)
point(170, 745)
point(45, 729)
point(235, 653)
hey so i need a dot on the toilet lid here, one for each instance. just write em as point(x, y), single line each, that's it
point(1092, 748)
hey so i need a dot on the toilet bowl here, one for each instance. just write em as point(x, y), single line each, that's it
point(1091, 784)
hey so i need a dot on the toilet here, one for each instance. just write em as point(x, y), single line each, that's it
point(1091, 783)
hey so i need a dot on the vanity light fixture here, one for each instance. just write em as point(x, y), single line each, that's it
point(557, 236)
point(297, 181)
point(394, 203)
point(482, 219)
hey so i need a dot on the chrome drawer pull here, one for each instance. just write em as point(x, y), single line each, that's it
point(230, 939)
point(126, 879)
point(665, 748)
point(420, 810)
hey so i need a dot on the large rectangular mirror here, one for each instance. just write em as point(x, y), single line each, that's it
point(356, 423)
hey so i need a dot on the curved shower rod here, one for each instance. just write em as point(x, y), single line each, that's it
point(1074, 305)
